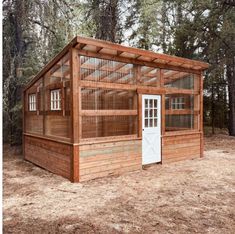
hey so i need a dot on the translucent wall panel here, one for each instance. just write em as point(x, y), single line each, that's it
point(181, 112)
point(57, 107)
point(101, 70)
point(179, 122)
point(34, 116)
point(180, 80)
point(149, 76)
point(101, 99)
point(111, 121)
point(103, 126)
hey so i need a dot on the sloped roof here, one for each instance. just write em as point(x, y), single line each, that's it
point(94, 47)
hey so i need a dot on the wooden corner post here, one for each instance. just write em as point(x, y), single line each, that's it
point(23, 123)
point(75, 128)
point(201, 116)
point(163, 108)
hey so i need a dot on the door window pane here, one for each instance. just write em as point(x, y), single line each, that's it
point(146, 123)
point(146, 103)
point(151, 103)
point(155, 103)
point(155, 122)
point(146, 113)
point(155, 113)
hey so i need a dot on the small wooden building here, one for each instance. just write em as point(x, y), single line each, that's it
point(100, 108)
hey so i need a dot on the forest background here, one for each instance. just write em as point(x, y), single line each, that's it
point(35, 31)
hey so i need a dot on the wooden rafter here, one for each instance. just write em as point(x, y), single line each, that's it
point(156, 59)
point(141, 52)
point(99, 66)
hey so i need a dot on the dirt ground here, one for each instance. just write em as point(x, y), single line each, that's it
point(194, 196)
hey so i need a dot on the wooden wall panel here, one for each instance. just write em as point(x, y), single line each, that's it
point(181, 147)
point(53, 156)
point(58, 125)
point(103, 159)
point(34, 124)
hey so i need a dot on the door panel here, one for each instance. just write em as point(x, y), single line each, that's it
point(151, 126)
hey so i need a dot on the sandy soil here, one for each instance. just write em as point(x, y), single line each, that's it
point(194, 196)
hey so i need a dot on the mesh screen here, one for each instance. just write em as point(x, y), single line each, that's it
point(101, 70)
point(180, 80)
point(149, 76)
point(179, 122)
point(102, 126)
point(180, 112)
point(101, 99)
point(107, 99)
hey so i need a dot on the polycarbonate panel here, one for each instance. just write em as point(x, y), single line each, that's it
point(103, 126)
point(101, 99)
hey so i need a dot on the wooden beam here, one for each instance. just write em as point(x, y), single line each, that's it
point(181, 112)
point(80, 46)
point(108, 112)
point(74, 164)
point(98, 49)
point(170, 90)
point(140, 127)
point(119, 53)
point(24, 120)
point(163, 114)
point(135, 61)
point(150, 90)
point(75, 72)
point(145, 53)
point(201, 116)
point(137, 74)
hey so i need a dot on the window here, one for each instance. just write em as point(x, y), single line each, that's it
point(150, 113)
point(32, 102)
point(178, 103)
point(56, 99)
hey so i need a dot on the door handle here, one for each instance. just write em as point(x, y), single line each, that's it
point(143, 129)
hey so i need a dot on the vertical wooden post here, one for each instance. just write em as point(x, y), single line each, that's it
point(43, 106)
point(137, 74)
point(140, 115)
point(23, 124)
point(161, 78)
point(158, 81)
point(75, 128)
point(196, 100)
point(163, 106)
point(163, 118)
point(201, 116)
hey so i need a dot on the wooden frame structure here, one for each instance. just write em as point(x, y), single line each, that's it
point(95, 126)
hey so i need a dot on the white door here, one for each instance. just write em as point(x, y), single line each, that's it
point(151, 126)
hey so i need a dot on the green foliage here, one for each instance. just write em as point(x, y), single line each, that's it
point(34, 31)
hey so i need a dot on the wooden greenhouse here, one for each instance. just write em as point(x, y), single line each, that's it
point(100, 108)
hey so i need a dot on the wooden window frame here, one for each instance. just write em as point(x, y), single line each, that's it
point(177, 104)
point(56, 103)
point(32, 103)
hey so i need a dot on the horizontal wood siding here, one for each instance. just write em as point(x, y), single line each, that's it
point(53, 156)
point(103, 159)
point(181, 147)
